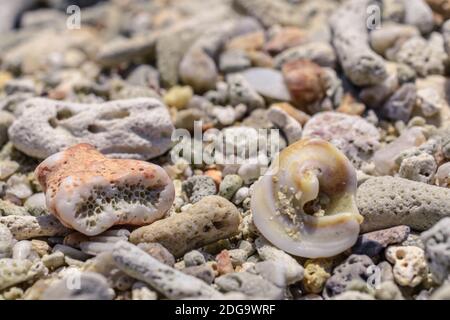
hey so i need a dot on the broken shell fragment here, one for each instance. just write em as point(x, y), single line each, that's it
point(91, 193)
point(305, 203)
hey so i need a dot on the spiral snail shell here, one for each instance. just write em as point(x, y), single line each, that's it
point(305, 203)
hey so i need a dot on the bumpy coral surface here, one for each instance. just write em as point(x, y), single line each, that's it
point(91, 193)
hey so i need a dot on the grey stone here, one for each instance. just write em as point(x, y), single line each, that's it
point(203, 272)
point(233, 61)
point(15, 271)
point(6, 242)
point(355, 268)
point(267, 252)
point(272, 271)
point(8, 208)
point(71, 252)
point(18, 186)
point(351, 40)
point(419, 14)
point(268, 83)
point(240, 91)
point(373, 243)
point(158, 251)
point(211, 219)
point(92, 286)
point(321, 53)
point(170, 282)
point(135, 128)
point(23, 250)
point(7, 168)
point(387, 202)
point(425, 57)
point(421, 168)
point(145, 76)
point(198, 70)
point(198, 187)
point(27, 227)
point(290, 127)
point(249, 284)
point(400, 105)
point(229, 185)
point(437, 249)
point(6, 120)
point(353, 135)
point(36, 204)
point(193, 258)
point(441, 293)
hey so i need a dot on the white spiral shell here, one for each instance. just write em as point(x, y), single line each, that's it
point(306, 174)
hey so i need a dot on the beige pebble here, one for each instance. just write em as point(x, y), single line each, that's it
point(211, 219)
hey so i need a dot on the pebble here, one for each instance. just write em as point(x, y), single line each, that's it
point(229, 185)
point(305, 81)
point(18, 186)
point(8, 168)
point(286, 38)
point(430, 102)
point(23, 250)
point(35, 204)
point(71, 252)
point(267, 82)
point(141, 291)
point(224, 264)
point(425, 57)
point(233, 61)
point(443, 175)
point(273, 272)
point(317, 272)
point(238, 256)
point(15, 271)
point(410, 267)
point(360, 63)
point(241, 91)
point(415, 204)
point(7, 208)
point(203, 272)
point(290, 127)
point(171, 283)
point(243, 192)
point(400, 105)
point(372, 243)
point(193, 258)
point(250, 284)
point(382, 39)
point(27, 227)
point(353, 135)
point(158, 251)
point(384, 158)
point(54, 260)
point(84, 286)
point(198, 187)
point(198, 70)
point(354, 268)
point(211, 219)
point(420, 168)
point(419, 14)
point(110, 126)
point(294, 271)
point(6, 120)
point(437, 251)
point(321, 53)
point(178, 96)
point(6, 242)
